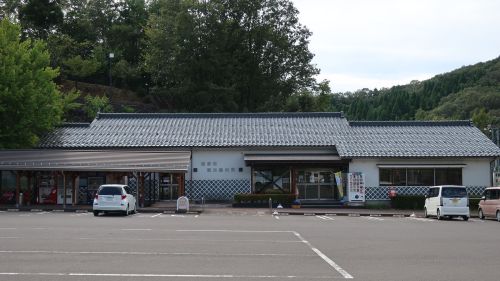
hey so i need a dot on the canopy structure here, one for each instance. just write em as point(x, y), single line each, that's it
point(95, 160)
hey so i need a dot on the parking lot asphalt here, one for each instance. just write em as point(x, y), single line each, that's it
point(227, 208)
point(244, 246)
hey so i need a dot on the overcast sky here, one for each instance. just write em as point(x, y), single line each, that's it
point(382, 43)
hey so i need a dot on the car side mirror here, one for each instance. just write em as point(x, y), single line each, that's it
point(483, 198)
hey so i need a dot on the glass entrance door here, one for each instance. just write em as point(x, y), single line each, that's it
point(169, 187)
point(316, 184)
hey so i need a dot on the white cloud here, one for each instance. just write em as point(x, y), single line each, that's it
point(386, 40)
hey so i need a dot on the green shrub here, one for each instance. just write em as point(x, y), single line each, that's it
point(408, 202)
point(474, 203)
point(283, 199)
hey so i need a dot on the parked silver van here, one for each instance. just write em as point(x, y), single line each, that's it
point(447, 201)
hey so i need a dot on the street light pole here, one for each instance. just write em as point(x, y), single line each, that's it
point(111, 55)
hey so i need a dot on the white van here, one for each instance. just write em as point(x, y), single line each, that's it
point(447, 201)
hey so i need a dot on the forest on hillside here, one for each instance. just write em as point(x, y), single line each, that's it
point(206, 56)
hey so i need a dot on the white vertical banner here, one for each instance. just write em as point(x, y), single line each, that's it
point(356, 187)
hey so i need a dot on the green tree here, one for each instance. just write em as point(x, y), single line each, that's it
point(482, 119)
point(40, 17)
point(253, 52)
point(81, 68)
point(30, 103)
point(70, 102)
point(95, 104)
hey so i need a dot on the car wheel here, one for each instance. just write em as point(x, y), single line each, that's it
point(466, 218)
point(96, 213)
point(481, 215)
point(438, 215)
point(426, 215)
point(498, 216)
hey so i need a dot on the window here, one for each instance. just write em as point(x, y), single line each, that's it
point(433, 192)
point(451, 176)
point(110, 190)
point(195, 170)
point(419, 176)
point(495, 194)
point(271, 180)
point(396, 177)
point(450, 192)
point(492, 194)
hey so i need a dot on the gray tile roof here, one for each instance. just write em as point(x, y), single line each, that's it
point(351, 139)
point(417, 139)
point(201, 130)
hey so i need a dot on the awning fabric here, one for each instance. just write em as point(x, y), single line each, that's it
point(291, 157)
point(104, 160)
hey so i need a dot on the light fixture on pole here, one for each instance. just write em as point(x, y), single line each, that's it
point(111, 56)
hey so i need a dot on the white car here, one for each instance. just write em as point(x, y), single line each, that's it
point(447, 201)
point(114, 198)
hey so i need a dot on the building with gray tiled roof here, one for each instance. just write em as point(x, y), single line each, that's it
point(318, 156)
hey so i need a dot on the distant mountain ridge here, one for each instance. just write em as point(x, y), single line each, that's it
point(470, 92)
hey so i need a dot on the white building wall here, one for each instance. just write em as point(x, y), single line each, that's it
point(218, 165)
point(475, 173)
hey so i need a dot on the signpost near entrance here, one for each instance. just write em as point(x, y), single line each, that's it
point(182, 204)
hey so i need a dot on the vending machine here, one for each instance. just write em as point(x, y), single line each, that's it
point(356, 187)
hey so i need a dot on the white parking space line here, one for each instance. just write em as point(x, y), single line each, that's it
point(330, 262)
point(373, 218)
point(151, 253)
point(42, 213)
point(184, 239)
point(325, 218)
point(324, 257)
point(233, 231)
point(474, 220)
point(276, 217)
point(80, 214)
point(157, 215)
point(421, 219)
point(212, 276)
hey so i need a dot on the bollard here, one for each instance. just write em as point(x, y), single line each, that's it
point(270, 205)
point(20, 199)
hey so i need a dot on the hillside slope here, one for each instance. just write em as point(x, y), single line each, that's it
point(458, 94)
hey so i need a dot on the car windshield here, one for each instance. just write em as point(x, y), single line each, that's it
point(454, 192)
point(110, 190)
